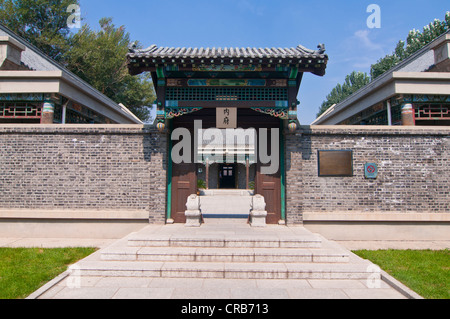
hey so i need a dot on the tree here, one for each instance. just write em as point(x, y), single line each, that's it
point(383, 65)
point(99, 57)
point(137, 94)
point(415, 41)
point(353, 82)
point(42, 22)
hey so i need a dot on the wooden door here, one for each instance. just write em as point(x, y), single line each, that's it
point(184, 178)
point(184, 184)
point(269, 186)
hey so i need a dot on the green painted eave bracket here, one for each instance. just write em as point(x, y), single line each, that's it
point(294, 73)
point(160, 72)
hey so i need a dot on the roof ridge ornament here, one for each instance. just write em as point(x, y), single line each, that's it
point(321, 48)
point(132, 47)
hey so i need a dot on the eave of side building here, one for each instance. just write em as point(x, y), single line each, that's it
point(48, 77)
point(58, 82)
point(400, 80)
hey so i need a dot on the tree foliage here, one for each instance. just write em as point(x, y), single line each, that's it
point(352, 83)
point(415, 41)
point(42, 22)
point(98, 57)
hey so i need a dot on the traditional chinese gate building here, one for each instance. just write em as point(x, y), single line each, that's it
point(226, 88)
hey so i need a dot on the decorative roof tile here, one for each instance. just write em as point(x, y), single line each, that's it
point(214, 53)
point(315, 61)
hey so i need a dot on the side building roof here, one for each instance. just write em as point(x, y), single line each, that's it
point(36, 65)
point(417, 74)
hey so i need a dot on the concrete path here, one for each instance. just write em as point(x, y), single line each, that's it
point(195, 288)
point(73, 284)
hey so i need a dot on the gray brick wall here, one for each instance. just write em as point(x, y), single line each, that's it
point(413, 171)
point(83, 167)
point(124, 168)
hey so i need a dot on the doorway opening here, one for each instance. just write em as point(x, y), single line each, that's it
point(227, 176)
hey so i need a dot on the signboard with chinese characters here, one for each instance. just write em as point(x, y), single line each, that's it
point(226, 117)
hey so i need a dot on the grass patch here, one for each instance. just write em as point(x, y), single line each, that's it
point(426, 272)
point(24, 270)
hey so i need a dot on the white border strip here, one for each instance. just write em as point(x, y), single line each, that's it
point(72, 214)
point(376, 217)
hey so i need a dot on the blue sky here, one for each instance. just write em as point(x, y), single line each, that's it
point(340, 25)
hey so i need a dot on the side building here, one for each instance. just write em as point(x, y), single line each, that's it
point(34, 89)
point(416, 92)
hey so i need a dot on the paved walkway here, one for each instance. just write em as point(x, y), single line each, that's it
point(395, 244)
point(198, 288)
point(54, 242)
point(72, 285)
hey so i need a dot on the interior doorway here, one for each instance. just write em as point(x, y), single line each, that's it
point(227, 176)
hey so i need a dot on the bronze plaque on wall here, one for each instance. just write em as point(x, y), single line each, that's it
point(335, 163)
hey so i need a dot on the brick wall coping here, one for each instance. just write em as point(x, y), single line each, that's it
point(146, 129)
point(77, 129)
point(373, 130)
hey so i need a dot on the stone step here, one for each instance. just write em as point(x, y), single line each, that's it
point(224, 251)
point(250, 255)
point(220, 248)
point(231, 242)
point(225, 235)
point(227, 270)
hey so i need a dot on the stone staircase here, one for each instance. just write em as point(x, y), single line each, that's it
point(226, 249)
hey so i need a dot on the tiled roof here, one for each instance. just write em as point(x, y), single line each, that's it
point(298, 52)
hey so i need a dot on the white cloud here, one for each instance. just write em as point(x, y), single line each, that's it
point(361, 51)
point(252, 6)
point(363, 37)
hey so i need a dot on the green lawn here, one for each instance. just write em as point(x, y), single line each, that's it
point(23, 271)
point(424, 271)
